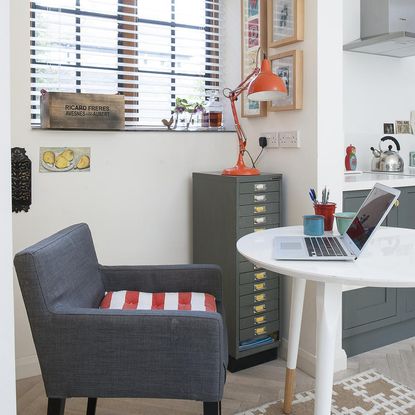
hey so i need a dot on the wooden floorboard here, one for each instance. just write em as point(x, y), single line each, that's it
point(243, 390)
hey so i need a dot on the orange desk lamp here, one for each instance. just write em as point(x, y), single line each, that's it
point(262, 85)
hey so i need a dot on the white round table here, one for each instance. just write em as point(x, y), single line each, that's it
point(387, 261)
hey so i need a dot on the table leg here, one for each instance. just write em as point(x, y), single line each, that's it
point(329, 303)
point(296, 314)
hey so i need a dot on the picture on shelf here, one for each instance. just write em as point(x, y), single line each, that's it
point(388, 128)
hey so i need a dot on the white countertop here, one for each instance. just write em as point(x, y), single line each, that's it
point(366, 180)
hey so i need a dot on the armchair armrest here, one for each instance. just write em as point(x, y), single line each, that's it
point(168, 278)
point(129, 353)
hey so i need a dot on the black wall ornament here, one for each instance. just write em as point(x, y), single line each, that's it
point(21, 180)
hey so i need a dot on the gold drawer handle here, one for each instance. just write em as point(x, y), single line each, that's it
point(260, 297)
point(260, 209)
point(260, 198)
point(260, 330)
point(260, 287)
point(260, 229)
point(260, 220)
point(259, 276)
point(260, 187)
point(397, 203)
point(259, 308)
point(260, 320)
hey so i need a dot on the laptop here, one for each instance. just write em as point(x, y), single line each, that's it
point(348, 246)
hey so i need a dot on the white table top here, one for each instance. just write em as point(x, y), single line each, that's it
point(388, 260)
point(367, 180)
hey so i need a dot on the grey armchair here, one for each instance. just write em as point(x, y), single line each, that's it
point(89, 352)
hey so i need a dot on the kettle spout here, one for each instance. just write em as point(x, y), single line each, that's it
point(376, 152)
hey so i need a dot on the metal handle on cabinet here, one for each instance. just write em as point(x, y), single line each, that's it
point(259, 229)
point(260, 198)
point(259, 287)
point(260, 209)
point(260, 187)
point(259, 308)
point(259, 276)
point(397, 203)
point(260, 297)
point(260, 330)
point(260, 320)
point(260, 220)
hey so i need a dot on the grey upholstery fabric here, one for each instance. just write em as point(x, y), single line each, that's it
point(85, 351)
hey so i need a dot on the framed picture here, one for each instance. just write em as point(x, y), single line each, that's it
point(285, 22)
point(388, 128)
point(254, 35)
point(403, 127)
point(289, 67)
point(412, 159)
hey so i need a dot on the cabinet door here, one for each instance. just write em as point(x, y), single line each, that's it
point(406, 209)
point(353, 200)
point(366, 306)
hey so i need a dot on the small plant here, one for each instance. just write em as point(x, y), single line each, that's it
point(184, 106)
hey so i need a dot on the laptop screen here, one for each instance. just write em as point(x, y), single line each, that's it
point(369, 215)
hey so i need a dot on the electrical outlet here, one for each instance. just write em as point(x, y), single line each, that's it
point(272, 139)
point(289, 139)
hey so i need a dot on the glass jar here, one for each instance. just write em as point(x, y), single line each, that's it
point(214, 111)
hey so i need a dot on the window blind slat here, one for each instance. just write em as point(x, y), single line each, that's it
point(152, 51)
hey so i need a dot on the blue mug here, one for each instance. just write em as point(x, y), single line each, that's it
point(313, 225)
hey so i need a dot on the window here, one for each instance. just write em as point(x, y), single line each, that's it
point(152, 51)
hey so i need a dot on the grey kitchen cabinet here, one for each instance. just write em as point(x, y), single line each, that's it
point(374, 317)
point(225, 208)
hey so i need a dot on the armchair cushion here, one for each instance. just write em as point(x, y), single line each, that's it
point(136, 300)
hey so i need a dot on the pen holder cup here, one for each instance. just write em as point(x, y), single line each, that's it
point(327, 210)
point(313, 225)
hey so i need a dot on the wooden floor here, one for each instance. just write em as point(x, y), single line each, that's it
point(243, 390)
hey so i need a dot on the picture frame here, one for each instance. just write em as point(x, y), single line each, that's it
point(388, 128)
point(403, 127)
point(285, 22)
point(253, 36)
point(288, 66)
point(412, 159)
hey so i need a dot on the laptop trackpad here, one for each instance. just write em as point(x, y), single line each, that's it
point(289, 247)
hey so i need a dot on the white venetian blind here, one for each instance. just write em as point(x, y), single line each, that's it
point(151, 51)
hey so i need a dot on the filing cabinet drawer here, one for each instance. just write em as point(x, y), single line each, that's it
point(260, 209)
point(256, 276)
point(259, 187)
point(259, 198)
point(259, 220)
point(246, 266)
point(252, 310)
point(263, 330)
point(256, 298)
point(257, 320)
point(258, 287)
point(245, 231)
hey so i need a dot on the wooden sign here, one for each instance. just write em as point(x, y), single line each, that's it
point(71, 111)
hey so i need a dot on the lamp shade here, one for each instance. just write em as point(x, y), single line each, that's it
point(266, 86)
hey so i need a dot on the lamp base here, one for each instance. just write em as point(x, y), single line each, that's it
point(241, 171)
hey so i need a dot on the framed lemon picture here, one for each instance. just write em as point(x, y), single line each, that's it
point(64, 159)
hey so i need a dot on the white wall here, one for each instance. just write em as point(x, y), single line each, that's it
point(377, 89)
point(136, 199)
point(7, 374)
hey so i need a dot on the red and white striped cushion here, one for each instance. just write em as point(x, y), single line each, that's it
point(137, 300)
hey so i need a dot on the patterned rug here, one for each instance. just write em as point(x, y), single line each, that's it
point(368, 393)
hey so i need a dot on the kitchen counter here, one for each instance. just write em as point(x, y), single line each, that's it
point(366, 180)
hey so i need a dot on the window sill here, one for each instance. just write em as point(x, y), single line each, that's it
point(144, 129)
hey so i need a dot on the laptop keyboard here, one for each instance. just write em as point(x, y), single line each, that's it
point(324, 247)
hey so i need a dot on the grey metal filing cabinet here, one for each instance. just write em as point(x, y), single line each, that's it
point(374, 317)
point(225, 208)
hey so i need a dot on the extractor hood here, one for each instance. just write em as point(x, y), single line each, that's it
point(387, 27)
